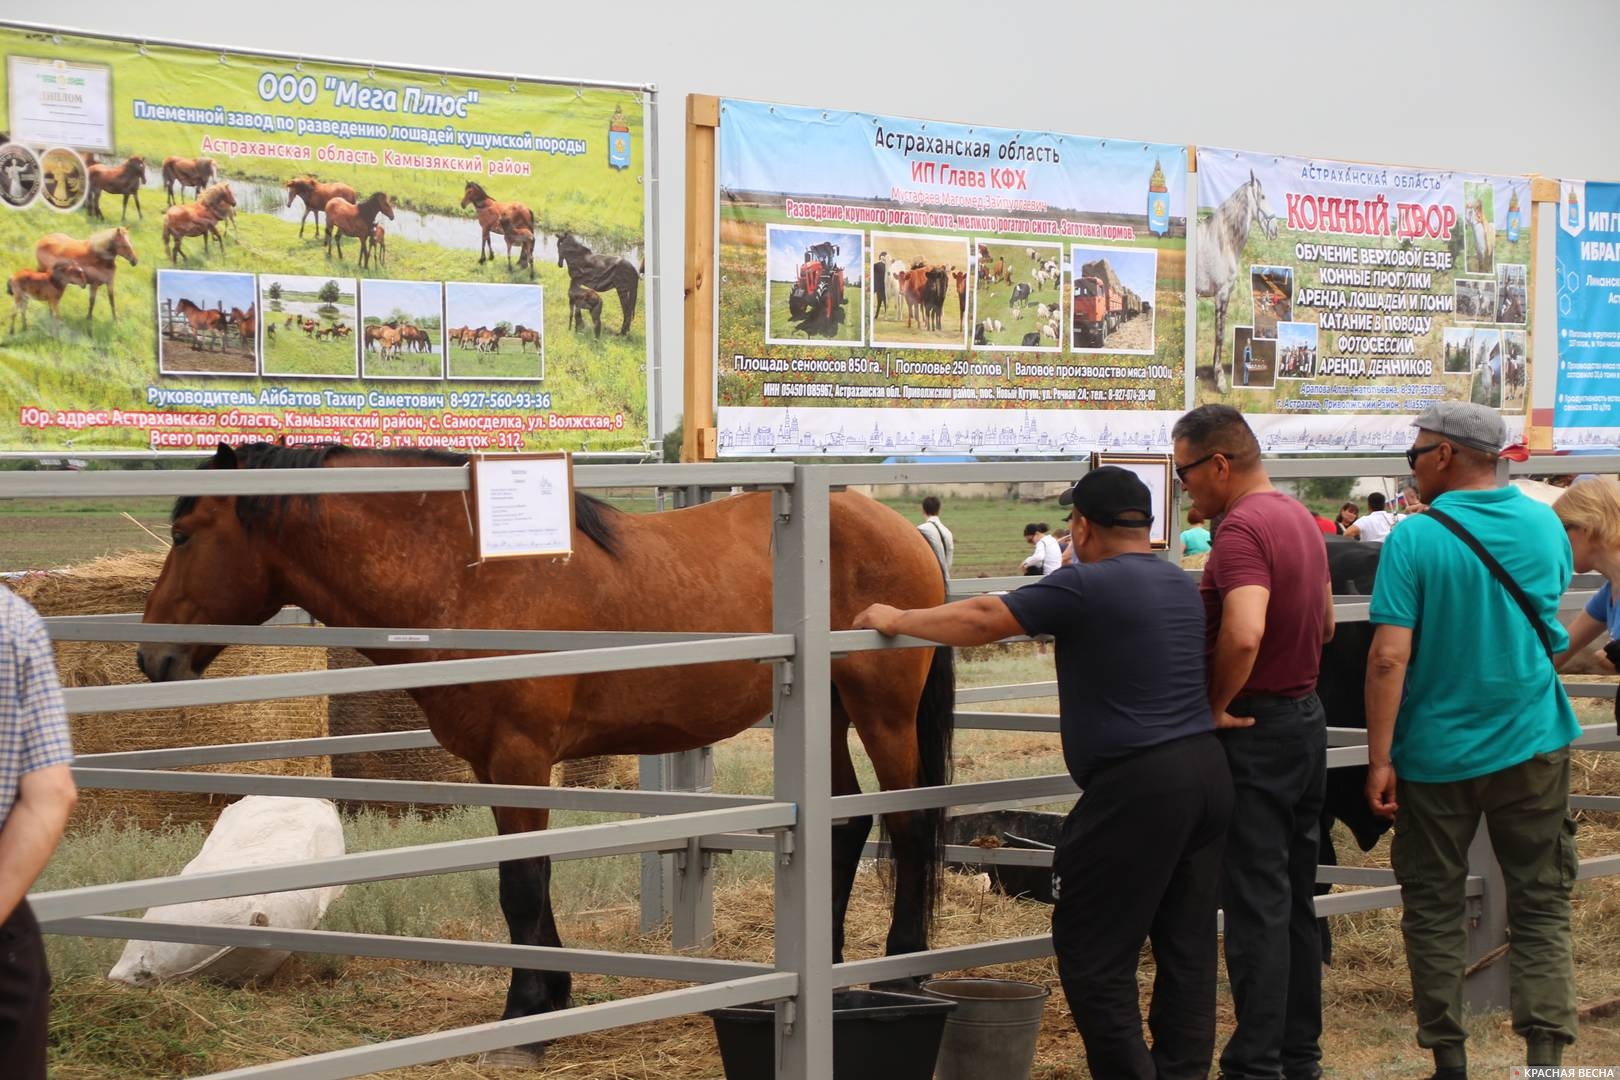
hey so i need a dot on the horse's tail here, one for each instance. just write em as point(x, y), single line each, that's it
point(629, 283)
point(936, 724)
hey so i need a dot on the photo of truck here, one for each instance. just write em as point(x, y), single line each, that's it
point(1112, 298)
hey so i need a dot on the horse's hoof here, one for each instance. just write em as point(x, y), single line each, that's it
point(514, 1057)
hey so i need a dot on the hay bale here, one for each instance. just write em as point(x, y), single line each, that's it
point(386, 710)
point(611, 771)
point(1194, 562)
point(120, 583)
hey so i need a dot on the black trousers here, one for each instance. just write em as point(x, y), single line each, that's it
point(1268, 884)
point(1140, 860)
point(25, 997)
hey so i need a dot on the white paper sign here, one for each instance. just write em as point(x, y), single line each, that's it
point(1154, 470)
point(56, 103)
point(525, 506)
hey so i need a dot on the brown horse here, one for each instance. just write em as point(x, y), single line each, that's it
point(581, 300)
point(246, 322)
point(189, 219)
point(496, 217)
point(409, 560)
point(195, 173)
point(379, 244)
point(201, 320)
point(522, 237)
point(316, 195)
point(600, 272)
point(218, 200)
point(125, 180)
point(97, 256)
point(347, 219)
point(45, 286)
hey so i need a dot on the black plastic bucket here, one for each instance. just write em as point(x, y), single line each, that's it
point(877, 1035)
point(1027, 829)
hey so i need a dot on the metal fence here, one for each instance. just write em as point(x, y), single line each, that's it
point(794, 823)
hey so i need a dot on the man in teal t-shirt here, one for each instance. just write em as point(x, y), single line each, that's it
point(1483, 729)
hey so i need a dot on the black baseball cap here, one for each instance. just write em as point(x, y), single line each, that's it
point(1111, 496)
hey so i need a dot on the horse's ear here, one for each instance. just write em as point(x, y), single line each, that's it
point(224, 457)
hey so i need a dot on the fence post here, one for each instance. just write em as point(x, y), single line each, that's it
point(692, 914)
point(1487, 989)
point(803, 764)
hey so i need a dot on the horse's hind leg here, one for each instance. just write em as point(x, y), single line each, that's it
point(849, 837)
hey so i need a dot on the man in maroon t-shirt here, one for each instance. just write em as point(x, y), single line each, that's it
point(1268, 607)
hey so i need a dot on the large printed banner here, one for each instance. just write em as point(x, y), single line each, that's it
point(207, 246)
point(1586, 414)
point(898, 286)
point(1335, 300)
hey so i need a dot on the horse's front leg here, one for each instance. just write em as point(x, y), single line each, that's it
point(526, 904)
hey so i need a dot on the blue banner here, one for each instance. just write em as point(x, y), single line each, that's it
point(1587, 412)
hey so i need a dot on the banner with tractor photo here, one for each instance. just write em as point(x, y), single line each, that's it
point(896, 286)
point(203, 246)
point(1335, 301)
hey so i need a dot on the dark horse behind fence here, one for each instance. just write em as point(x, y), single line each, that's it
point(600, 272)
point(409, 560)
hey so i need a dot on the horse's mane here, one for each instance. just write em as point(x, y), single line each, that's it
point(592, 516)
point(102, 242)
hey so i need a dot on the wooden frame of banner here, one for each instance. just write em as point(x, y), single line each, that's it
point(699, 441)
point(1166, 513)
point(510, 459)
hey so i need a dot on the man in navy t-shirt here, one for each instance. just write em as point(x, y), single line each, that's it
point(1140, 853)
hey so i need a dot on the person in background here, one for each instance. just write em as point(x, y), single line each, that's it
point(1195, 537)
point(1346, 517)
point(1411, 501)
point(1325, 524)
point(1376, 523)
point(36, 796)
point(1590, 511)
point(1139, 857)
point(1466, 717)
point(938, 536)
point(1268, 608)
point(1047, 556)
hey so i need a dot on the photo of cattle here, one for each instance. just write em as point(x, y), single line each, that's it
point(309, 326)
point(495, 331)
point(1254, 360)
point(813, 285)
point(1113, 292)
point(1017, 301)
point(1272, 288)
point(925, 292)
point(1515, 376)
point(1512, 292)
point(402, 329)
point(1475, 299)
point(1296, 350)
point(206, 323)
point(1479, 228)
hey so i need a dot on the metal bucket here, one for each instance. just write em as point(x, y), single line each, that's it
point(994, 1030)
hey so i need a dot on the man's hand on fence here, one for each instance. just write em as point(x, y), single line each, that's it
point(880, 617)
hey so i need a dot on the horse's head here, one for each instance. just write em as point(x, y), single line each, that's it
point(298, 185)
point(215, 573)
point(121, 245)
point(472, 194)
point(68, 273)
point(1260, 209)
point(384, 207)
point(137, 165)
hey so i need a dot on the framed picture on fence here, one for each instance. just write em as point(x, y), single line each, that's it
point(1154, 469)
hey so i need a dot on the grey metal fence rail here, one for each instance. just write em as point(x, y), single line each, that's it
point(794, 823)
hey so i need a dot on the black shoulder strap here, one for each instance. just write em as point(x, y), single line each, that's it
point(1499, 574)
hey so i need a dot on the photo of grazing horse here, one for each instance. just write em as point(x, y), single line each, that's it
point(344, 218)
point(409, 560)
point(195, 173)
point(125, 180)
point(189, 219)
point(496, 216)
point(96, 255)
point(316, 195)
point(45, 286)
point(202, 320)
point(600, 272)
point(581, 300)
point(1221, 238)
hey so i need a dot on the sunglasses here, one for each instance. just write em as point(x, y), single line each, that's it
point(1418, 451)
point(1183, 470)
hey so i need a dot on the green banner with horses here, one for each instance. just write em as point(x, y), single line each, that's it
point(1337, 300)
point(336, 252)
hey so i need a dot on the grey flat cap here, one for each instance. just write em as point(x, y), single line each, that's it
point(1465, 423)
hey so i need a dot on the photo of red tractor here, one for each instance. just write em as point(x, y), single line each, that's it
point(816, 302)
